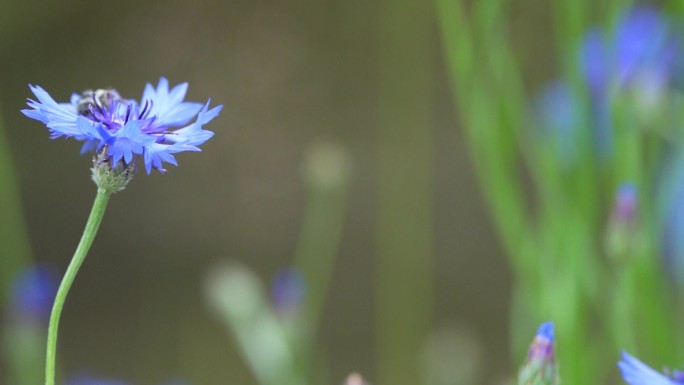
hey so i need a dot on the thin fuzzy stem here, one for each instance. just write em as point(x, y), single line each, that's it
point(87, 238)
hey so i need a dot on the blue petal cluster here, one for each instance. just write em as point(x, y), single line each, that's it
point(643, 50)
point(642, 53)
point(635, 372)
point(155, 129)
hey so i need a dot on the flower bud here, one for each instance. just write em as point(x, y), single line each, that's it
point(540, 367)
point(111, 180)
point(623, 224)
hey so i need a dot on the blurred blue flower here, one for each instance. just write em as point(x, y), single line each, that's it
point(288, 290)
point(124, 128)
point(641, 56)
point(635, 372)
point(33, 292)
point(642, 50)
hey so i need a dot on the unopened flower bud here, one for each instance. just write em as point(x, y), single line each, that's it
point(108, 178)
point(623, 224)
point(540, 367)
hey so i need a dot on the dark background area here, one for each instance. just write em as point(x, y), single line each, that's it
point(288, 73)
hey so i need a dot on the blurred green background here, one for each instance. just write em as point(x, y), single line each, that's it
point(289, 73)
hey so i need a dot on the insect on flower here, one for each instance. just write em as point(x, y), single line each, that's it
point(122, 130)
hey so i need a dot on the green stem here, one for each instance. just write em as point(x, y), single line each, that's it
point(87, 238)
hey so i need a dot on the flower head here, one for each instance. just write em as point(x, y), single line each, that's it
point(540, 367)
point(635, 372)
point(124, 130)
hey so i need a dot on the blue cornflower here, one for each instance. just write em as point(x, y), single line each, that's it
point(123, 130)
point(32, 292)
point(635, 372)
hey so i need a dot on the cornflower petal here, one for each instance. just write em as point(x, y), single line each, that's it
point(193, 134)
point(127, 141)
point(635, 372)
point(168, 106)
point(60, 118)
point(156, 154)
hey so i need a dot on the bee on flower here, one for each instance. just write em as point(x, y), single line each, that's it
point(121, 130)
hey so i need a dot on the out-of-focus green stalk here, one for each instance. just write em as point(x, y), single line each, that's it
point(494, 113)
point(326, 174)
point(239, 298)
point(489, 96)
point(404, 188)
point(570, 23)
point(24, 344)
point(675, 6)
point(641, 278)
point(24, 351)
point(15, 250)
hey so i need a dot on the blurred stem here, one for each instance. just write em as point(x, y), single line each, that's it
point(316, 253)
point(404, 173)
point(94, 220)
point(14, 244)
point(623, 314)
point(318, 245)
point(569, 17)
point(490, 97)
point(24, 351)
